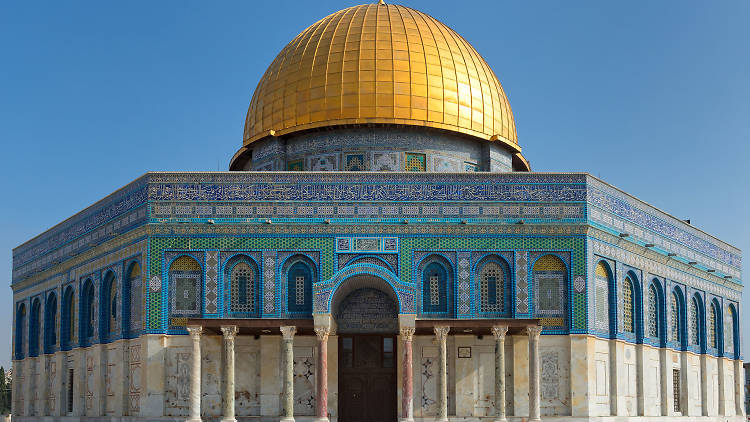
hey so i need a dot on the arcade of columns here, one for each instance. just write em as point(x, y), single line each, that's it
point(321, 373)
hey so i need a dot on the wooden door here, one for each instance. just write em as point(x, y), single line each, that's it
point(367, 378)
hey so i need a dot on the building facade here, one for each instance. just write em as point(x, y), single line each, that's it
point(379, 251)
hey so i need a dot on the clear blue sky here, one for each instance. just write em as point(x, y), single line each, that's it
point(653, 97)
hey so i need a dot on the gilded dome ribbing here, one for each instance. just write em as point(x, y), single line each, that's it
point(380, 64)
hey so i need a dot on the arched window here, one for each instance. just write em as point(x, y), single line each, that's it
point(695, 318)
point(20, 328)
point(88, 311)
point(675, 317)
point(493, 275)
point(299, 275)
point(68, 330)
point(185, 287)
point(732, 341)
point(36, 310)
point(550, 281)
point(435, 281)
point(712, 326)
point(132, 298)
point(601, 296)
point(244, 286)
point(653, 312)
point(628, 319)
point(109, 307)
point(50, 323)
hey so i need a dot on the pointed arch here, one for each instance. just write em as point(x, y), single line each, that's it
point(550, 277)
point(696, 324)
point(604, 295)
point(677, 321)
point(132, 299)
point(713, 326)
point(436, 276)
point(110, 312)
point(68, 329)
point(34, 329)
point(299, 271)
point(87, 312)
point(628, 305)
point(243, 276)
point(50, 323)
point(733, 332)
point(494, 289)
point(20, 328)
point(185, 287)
point(656, 312)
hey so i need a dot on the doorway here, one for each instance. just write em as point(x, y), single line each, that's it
point(367, 378)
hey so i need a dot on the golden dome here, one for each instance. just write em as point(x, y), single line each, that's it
point(380, 64)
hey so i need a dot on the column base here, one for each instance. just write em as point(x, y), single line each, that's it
point(228, 420)
point(500, 420)
point(406, 420)
point(287, 419)
point(193, 420)
point(323, 419)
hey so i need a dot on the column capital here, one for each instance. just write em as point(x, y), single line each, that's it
point(229, 331)
point(322, 332)
point(441, 332)
point(499, 332)
point(288, 332)
point(407, 333)
point(534, 332)
point(195, 331)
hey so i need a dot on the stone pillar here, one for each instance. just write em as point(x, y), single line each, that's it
point(321, 374)
point(287, 350)
point(407, 376)
point(534, 372)
point(230, 332)
point(499, 334)
point(739, 387)
point(722, 387)
point(441, 335)
point(705, 379)
point(195, 374)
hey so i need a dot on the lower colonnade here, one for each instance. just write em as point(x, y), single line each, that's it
point(229, 329)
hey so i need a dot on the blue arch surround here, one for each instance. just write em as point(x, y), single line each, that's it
point(661, 323)
point(50, 323)
point(227, 268)
point(34, 326)
point(67, 314)
point(20, 326)
point(732, 309)
point(507, 285)
point(681, 344)
point(325, 292)
point(449, 268)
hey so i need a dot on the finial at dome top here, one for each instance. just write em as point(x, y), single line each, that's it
point(381, 2)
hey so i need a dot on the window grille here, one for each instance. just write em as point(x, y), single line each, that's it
point(711, 326)
point(653, 314)
point(676, 389)
point(300, 290)
point(491, 283)
point(434, 290)
point(627, 306)
point(243, 288)
point(674, 323)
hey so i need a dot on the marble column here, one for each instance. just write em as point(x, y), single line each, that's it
point(441, 335)
point(229, 332)
point(195, 374)
point(499, 334)
point(287, 351)
point(407, 376)
point(534, 369)
point(321, 374)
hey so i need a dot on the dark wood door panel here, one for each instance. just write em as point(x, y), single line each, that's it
point(367, 379)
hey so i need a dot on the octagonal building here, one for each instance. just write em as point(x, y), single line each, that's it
point(378, 251)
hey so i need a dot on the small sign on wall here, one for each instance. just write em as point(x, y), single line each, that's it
point(464, 352)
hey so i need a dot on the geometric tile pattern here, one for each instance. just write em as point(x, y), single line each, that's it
point(522, 282)
point(212, 276)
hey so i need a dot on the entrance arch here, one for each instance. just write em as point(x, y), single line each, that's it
point(365, 309)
